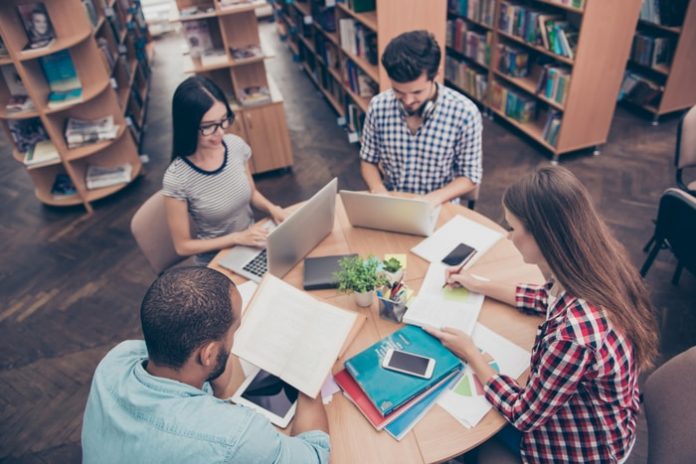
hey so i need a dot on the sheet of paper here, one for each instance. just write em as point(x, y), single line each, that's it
point(443, 307)
point(246, 290)
point(457, 230)
point(465, 400)
point(291, 335)
point(328, 389)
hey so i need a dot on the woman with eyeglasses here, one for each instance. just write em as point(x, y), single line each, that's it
point(581, 400)
point(208, 187)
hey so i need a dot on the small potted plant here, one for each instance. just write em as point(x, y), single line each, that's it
point(360, 277)
point(393, 271)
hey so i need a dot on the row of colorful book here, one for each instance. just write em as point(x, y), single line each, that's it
point(650, 51)
point(553, 83)
point(466, 78)
point(552, 127)
point(480, 11)
point(358, 40)
point(514, 104)
point(394, 401)
point(513, 61)
point(640, 90)
point(472, 44)
point(359, 82)
point(666, 12)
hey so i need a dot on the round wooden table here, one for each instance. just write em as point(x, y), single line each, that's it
point(438, 436)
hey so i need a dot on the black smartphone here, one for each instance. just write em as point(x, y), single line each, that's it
point(460, 255)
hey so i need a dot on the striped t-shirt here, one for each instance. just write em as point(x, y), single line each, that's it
point(218, 201)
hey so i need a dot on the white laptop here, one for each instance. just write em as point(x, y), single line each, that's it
point(404, 215)
point(290, 241)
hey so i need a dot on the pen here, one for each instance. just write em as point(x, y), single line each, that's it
point(457, 271)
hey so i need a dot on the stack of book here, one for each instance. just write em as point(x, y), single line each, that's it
point(26, 133)
point(247, 53)
point(255, 95)
point(19, 100)
point(80, 132)
point(42, 153)
point(62, 79)
point(100, 177)
point(391, 400)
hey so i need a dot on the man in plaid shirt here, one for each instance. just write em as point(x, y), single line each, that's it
point(420, 137)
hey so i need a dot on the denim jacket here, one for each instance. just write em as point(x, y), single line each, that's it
point(132, 416)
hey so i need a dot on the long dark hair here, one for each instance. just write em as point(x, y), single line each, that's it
point(583, 254)
point(192, 99)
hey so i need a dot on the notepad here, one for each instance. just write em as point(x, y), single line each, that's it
point(293, 336)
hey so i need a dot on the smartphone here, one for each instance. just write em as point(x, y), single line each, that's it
point(461, 254)
point(408, 363)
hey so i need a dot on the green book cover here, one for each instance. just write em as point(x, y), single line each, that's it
point(387, 389)
point(60, 71)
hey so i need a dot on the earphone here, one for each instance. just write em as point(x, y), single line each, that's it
point(425, 111)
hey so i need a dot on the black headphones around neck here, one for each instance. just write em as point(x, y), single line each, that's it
point(426, 110)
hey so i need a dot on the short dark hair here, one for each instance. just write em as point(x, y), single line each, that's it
point(410, 54)
point(183, 309)
point(192, 99)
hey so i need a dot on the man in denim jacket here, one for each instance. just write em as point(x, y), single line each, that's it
point(160, 400)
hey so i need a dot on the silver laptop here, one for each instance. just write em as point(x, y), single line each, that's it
point(290, 241)
point(404, 215)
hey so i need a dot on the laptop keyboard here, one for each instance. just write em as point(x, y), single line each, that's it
point(257, 266)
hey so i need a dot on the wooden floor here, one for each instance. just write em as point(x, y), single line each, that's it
point(71, 284)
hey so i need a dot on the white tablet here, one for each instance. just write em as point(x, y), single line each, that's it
point(268, 395)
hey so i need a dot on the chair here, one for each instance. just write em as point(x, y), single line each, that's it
point(151, 231)
point(685, 154)
point(675, 229)
point(669, 398)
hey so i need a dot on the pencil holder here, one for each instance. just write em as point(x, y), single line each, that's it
point(391, 309)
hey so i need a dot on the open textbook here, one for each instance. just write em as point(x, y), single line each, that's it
point(465, 399)
point(440, 307)
point(294, 336)
point(457, 230)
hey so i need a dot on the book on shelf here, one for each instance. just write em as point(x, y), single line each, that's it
point(26, 133)
point(101, 176)
point(225, 4)
point(552, 127)
point(43, 153)
point(386, 389)
point(255, 95)
point(470, 43)
point(80, 132)
point(91, 11)
point(465, 77)
point(213, 56)
point(480, 11)
point(62, 187)
point(640, 90)
point(4, 52)
point(247, 52)
point(13, 80)
point(553, 83)
point(651, 50)
point(62, 79)
point(513, 61)
point(196, 10)
point(295, 337)
point(361, 6)
point(37, 25)
point(198, 37)
point(109, 56)
point(18, 103)
point(665, 12)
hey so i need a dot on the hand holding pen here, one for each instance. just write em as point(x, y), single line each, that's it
point(455, 277)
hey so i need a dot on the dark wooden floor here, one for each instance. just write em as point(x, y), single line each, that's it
point(71, 284)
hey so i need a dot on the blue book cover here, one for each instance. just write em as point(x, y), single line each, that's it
point(400, 426)
point(60, 71)
point(387, 389)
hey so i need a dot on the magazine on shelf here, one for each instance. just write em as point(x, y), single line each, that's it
point(80, 132)
point(248, 52)
point(255, 95)
point(18, 103)
point(3, 49)
point(62, 187)
point(13, 81)
point(37, 25)
point(27, 132)
point(214, 56)
point(62, 79)
point(99, 176)
point(198, 37)
point(42, 153)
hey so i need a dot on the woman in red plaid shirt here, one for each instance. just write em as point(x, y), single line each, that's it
point(581, 400)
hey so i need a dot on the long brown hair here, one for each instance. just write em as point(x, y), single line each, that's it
point(583, 254)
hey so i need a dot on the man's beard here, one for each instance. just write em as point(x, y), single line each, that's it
point(220, 366)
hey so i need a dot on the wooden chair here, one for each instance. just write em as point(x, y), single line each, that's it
point(685, 154)
point(675, 229)
point(669, 398)
point(151, 231)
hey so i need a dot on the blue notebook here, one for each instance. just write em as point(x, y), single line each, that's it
point(388, 390)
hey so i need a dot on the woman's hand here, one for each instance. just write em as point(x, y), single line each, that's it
point(455, 277)
point(254, 236)
point(277, 213)
point(456, 341)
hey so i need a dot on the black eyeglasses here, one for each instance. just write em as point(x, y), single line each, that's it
point(211, 128)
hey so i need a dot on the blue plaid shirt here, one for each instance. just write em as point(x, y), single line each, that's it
point(446, 145)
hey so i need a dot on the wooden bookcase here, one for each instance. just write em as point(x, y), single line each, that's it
point(329, 61)
point(676, 79)
point(105, 90)
point(595, 71)
point(260, 122)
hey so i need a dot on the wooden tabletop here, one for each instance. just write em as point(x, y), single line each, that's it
point(438, 436)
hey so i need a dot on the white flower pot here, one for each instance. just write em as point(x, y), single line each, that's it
point(394, 276)
point(363, 299)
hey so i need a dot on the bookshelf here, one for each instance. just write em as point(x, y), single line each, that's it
point(224, 45)
point(661, 68)
point(84, 33)
point(339, 45)
point(558, 88)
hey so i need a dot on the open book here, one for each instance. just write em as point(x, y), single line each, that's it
point(294, 336)
point(440, 307)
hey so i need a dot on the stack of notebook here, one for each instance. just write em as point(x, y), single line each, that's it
point(391, 400)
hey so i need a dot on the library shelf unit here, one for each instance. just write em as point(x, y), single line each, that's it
point(574, 115)
point(82, 39)
point(237, 66)
point(673, 77)
point(340, 46)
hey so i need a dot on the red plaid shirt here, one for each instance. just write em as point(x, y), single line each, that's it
point(581, 400)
